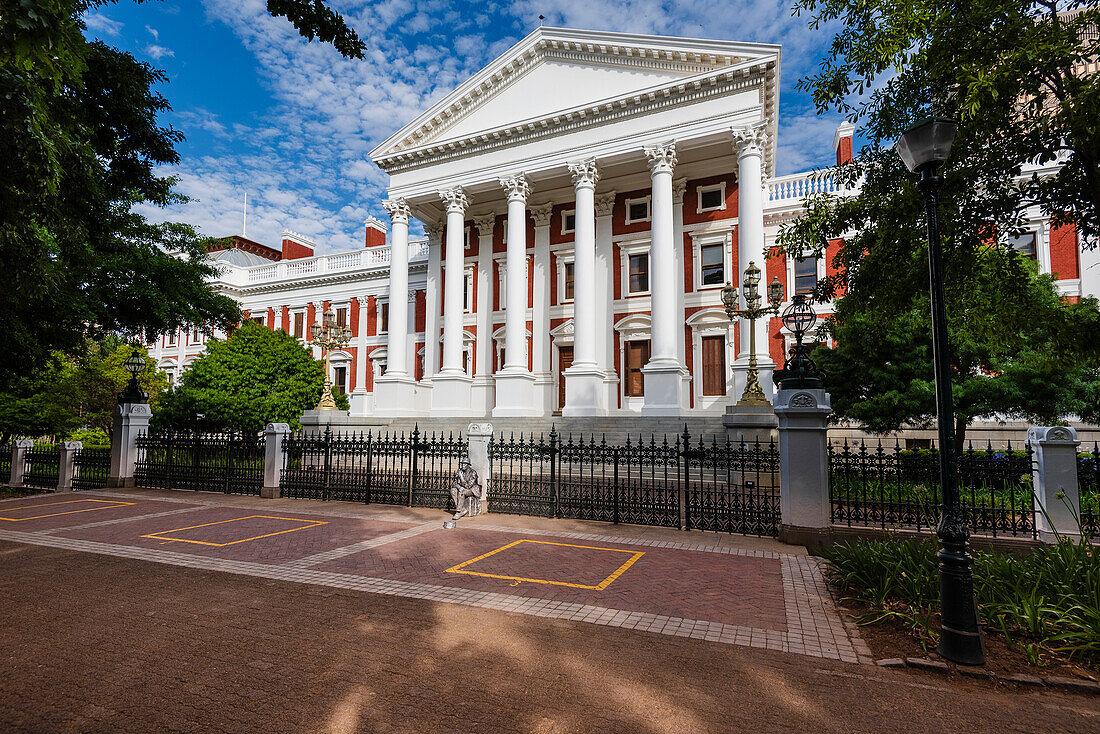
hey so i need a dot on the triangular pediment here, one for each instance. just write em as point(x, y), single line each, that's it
point(555, 70)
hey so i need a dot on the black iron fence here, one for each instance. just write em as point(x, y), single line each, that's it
point(890, 487)
point(230, 462)
point(1088, 481)
point(91, 467)
point(5, 463)
point(397, 469)
point(42, 466)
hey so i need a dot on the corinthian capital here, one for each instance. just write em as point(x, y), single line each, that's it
point(679, 188)
point(398, 209)
point(605, 203)
point(434, 233)
point(455, 200)
point(584, 173)
point(485, 223)
point(541, 213)
point(662, 158)
point(750, 140)
point(516, 186)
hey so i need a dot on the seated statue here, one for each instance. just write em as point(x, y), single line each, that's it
point(466, 491)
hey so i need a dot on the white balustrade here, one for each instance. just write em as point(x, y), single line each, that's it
point(377, 257)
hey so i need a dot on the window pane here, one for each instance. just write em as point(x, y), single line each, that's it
point(568, 281)
point(805, 275)
point(341, 317)
point(385, 318)
point(1024, 243)
point(712, 263)
point(340, 383)
point(639, 273)
point(299, 320)
point(638, 210)
point(637, 354)
point(714, 365)
point(570, 222)
point(710, 199)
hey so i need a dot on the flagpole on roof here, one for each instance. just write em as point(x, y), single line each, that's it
point(244, 217)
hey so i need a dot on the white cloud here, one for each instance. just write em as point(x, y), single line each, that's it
point(158, 52)
point(153, 32)
point(305, 164)
point(102, 24)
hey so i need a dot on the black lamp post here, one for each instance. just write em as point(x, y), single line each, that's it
point(135, 365)
point(923, 148)
point(799, 371)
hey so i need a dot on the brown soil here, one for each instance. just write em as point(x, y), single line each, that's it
point(6, 491)
point(890, 638)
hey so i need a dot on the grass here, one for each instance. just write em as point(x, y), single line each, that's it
point(1045, 604)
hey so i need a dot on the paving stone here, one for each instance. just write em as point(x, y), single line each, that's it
point(1024, 678)
point(890, 663)
point(1076, 684)
point(926, 664)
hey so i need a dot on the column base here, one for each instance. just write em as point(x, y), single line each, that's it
point(271, 493)
point(812, 538)
point(515, 394)
point(544, 392)
point(585, 393)
point(119, 482)
point(482, 394)
point(395, 395)
point(662, 388)
point(359, 399)
point(451, 394)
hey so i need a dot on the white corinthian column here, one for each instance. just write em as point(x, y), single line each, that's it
point(749, 143)
point(451, 387)
point(515, 383)
point(394, 393)
point(663, 373)
point(584, 387)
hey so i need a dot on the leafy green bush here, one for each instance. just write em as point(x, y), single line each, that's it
point(1046, 603)
point(91, 438)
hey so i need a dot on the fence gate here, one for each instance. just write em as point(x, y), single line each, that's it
point(42, 466)
point(731, 487)
point(229, 462)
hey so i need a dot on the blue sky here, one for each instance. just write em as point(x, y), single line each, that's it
point(291, 122)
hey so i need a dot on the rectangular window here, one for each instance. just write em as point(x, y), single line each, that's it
point(299, 324)
point(712, 260)
point(711, 198)
point(341, 317)
point(259, 320)
point(1023, 243)
point(196, 335)
point(637, 354)
point(468, 291)
point(639, 273)
point(568, 290)
point(384, 319)
point(714, 365)
point(805, 275)
point(637, 211)
point(568, 222)
point(170, 339)
point(340, 384)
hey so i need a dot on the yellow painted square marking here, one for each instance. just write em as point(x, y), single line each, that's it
point(159, 535)
point(634, 556)
point(101, 505)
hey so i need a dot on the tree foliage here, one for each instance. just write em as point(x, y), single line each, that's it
point(81, 144)
point(69, 393)
point(254, 377)
point(1016, 348)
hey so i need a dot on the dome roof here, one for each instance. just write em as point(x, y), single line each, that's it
point(240, 258)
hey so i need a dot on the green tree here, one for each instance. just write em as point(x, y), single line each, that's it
point(102, 376)
point(1016, 348)
point(879, 371)
point(81, 141)
point(256, 376)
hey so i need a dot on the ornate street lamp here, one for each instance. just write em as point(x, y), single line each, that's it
point(800, 370)
point(753, 394)
point(923, 148)
point(328, 335)
point(135, 365)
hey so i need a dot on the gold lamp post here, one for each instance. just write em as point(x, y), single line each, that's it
point(753, 394)
point(329, 335)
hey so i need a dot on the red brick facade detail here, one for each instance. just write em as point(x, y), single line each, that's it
point(1064, 262)
point(295, 250)
point(375, 237)
point(692, 215)
point(286, 319)
point(270, 320)
point(844, 153)
point(420, 311)
point(372, 316)
point(353, 315)
point(311, 316)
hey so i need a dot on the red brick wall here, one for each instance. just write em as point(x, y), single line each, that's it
point(353, 315)
point(294, 251)
point(311, 316)
point(691, 200)
point(420, 311)
point(372, 316)
point(844, 151)
point(618, 213)
point(1064, 263)
point(375, 237)
point(286, 319)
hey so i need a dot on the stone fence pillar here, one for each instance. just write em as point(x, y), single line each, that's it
point(803, 415)
point(479, 435)
point(131, 420)
point(66, 472)
point(274, 458)
point(1054, 480)
point(19, 449)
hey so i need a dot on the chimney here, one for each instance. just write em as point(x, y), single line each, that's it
point(376, 232)
point(296, 246)
point(842, 143)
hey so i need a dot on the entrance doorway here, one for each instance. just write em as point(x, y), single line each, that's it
point(565, 361)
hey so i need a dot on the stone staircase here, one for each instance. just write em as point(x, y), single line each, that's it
point(615, 428)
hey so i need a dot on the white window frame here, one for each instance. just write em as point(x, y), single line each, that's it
point(378, 303)
point(648, 208)
point(626, 250)
point(305, 323)
point(502, 281)
point(699, 190)
point(346, 305)
point(566, 213)
point(698, 242)
point(791, 279)
point(564, 260)
point(468, 277)
point(170, 339)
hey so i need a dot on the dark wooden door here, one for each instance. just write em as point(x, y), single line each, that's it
point(565, 361)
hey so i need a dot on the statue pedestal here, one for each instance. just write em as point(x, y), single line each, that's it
point(751, 423)
point(316, 418)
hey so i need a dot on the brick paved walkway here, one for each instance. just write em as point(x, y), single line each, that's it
point(724, 589)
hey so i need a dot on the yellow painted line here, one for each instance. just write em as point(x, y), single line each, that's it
point(110, 503)
point(634, 556)
point(159, 535)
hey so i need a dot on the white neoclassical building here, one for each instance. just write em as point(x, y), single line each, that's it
point(585, 198)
